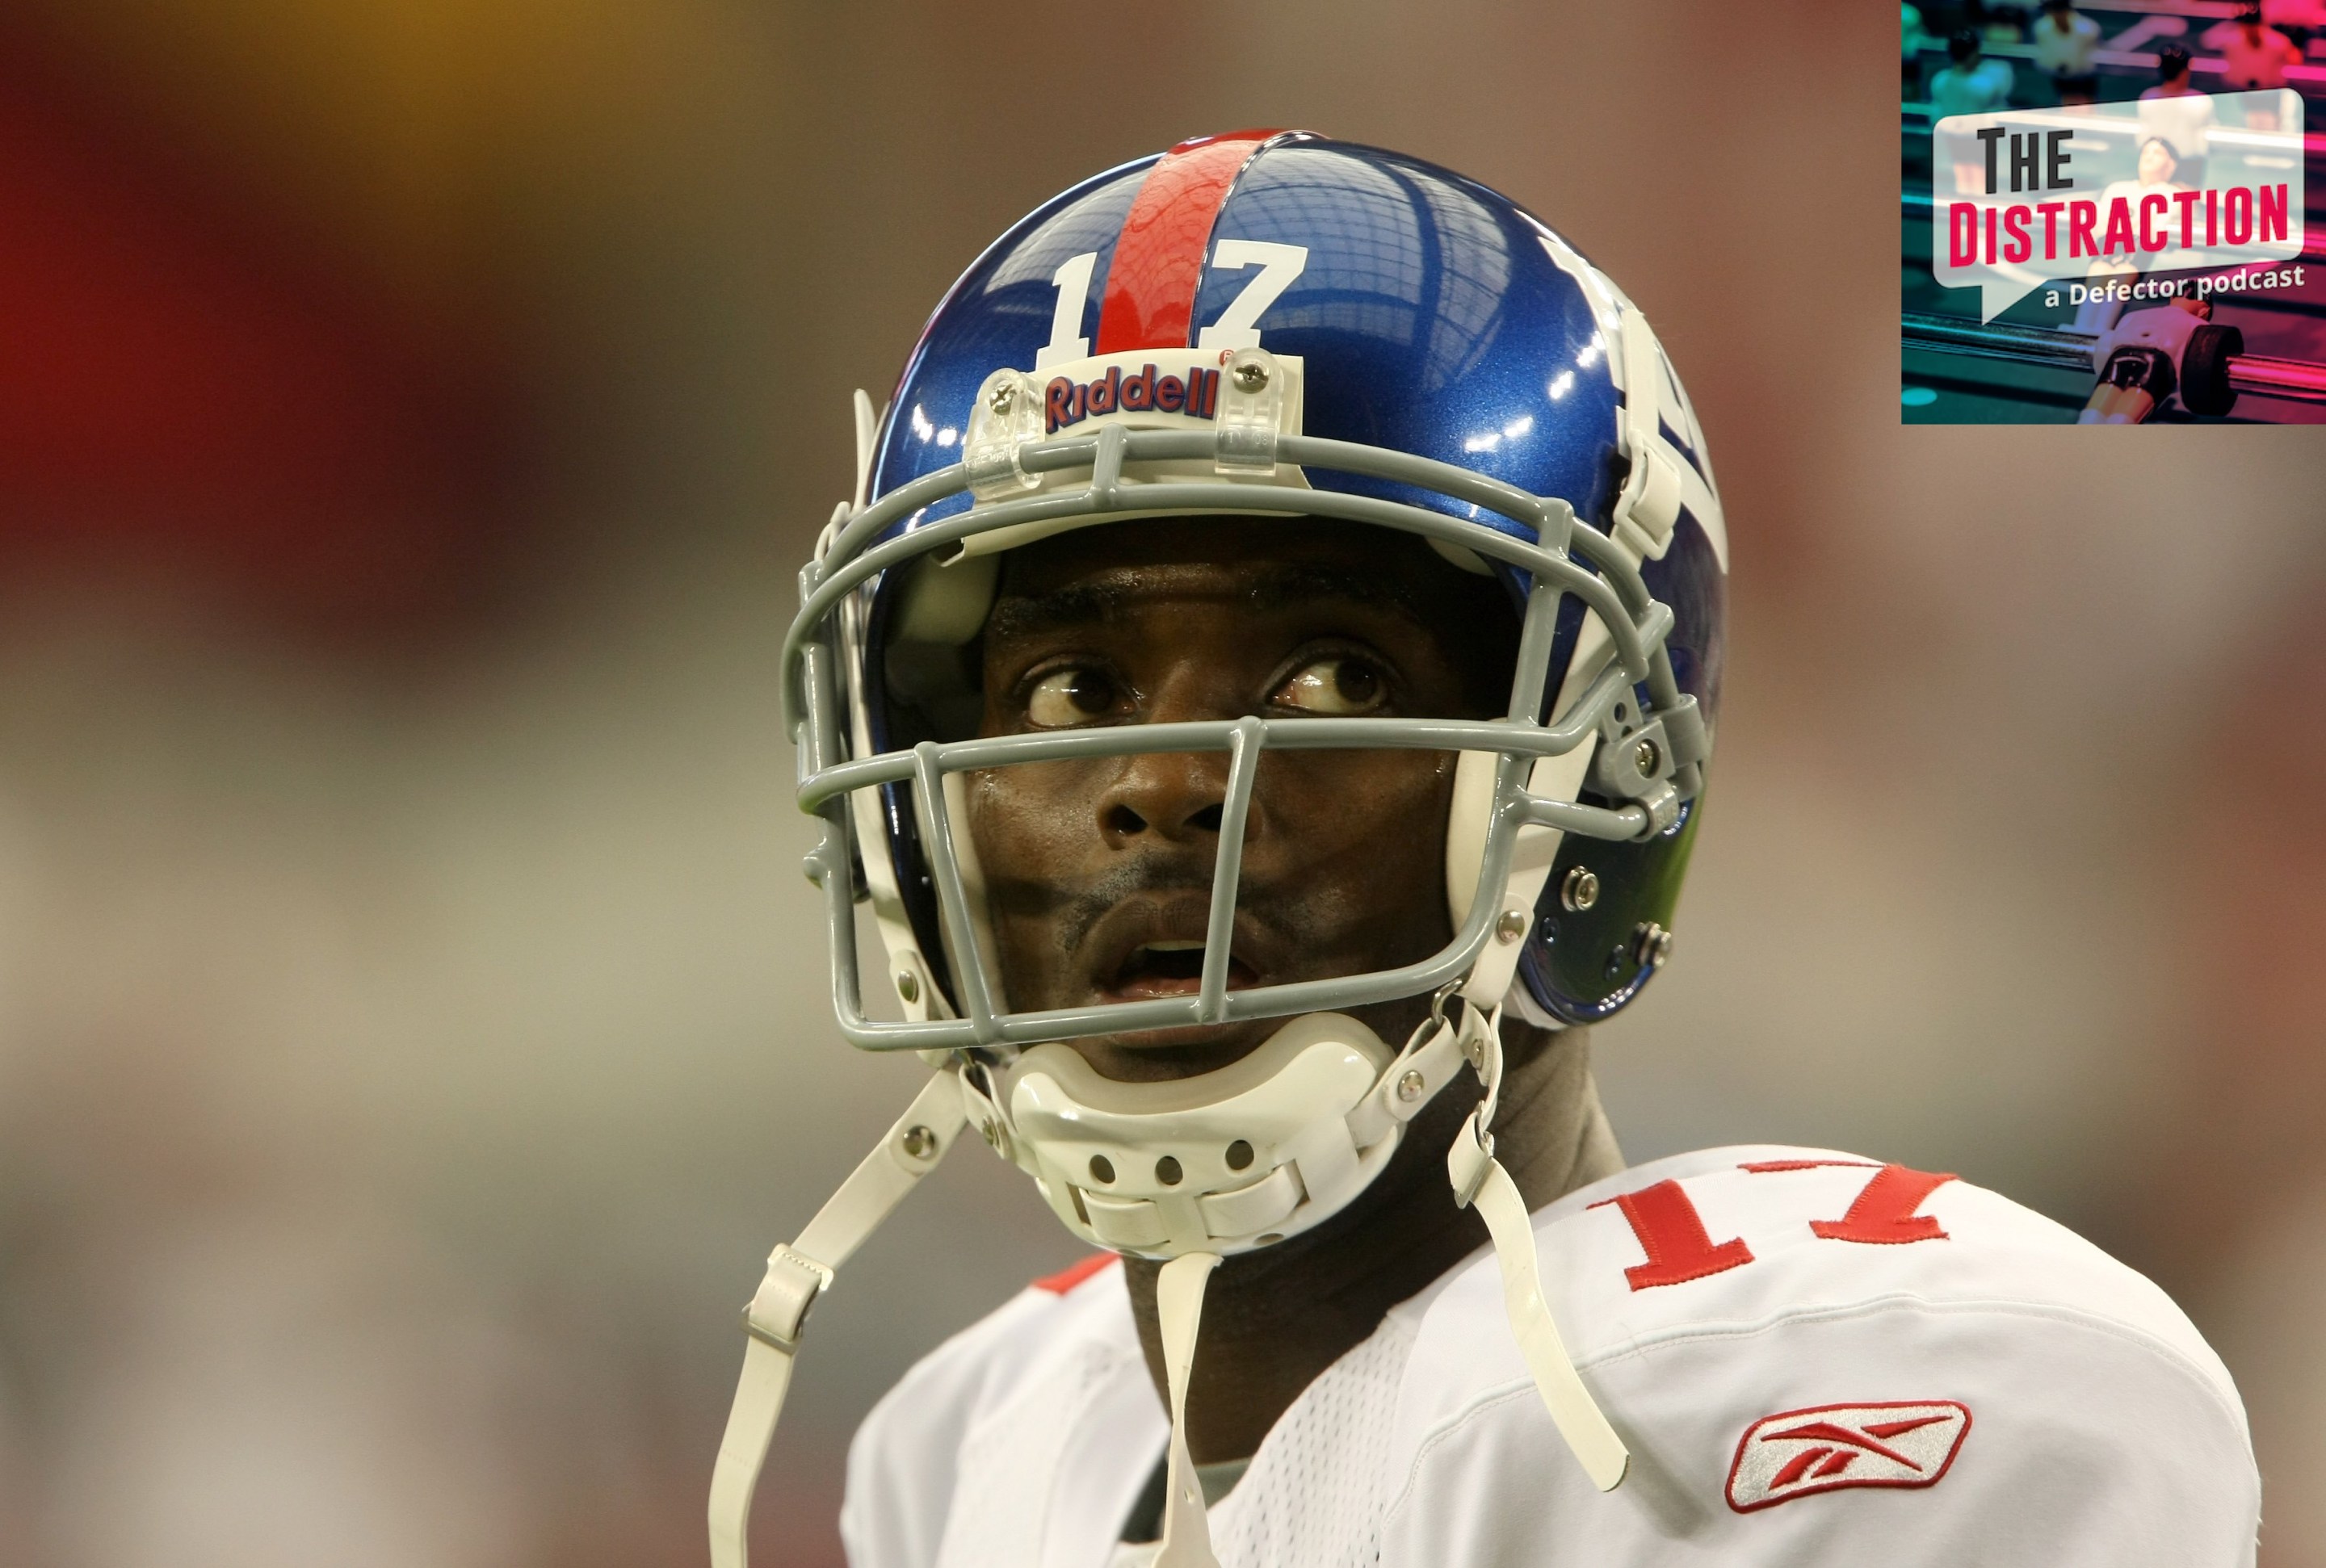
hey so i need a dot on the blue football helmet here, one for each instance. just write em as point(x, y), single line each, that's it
point(1279, 321)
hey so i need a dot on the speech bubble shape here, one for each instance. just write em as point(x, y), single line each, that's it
point(2022, 198)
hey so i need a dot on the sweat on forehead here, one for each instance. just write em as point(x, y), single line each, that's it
point(1094, 573)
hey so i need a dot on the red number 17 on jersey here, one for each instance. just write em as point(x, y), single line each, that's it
point(1672, 1232)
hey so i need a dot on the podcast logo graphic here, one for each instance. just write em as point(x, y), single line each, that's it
point(2087, 201)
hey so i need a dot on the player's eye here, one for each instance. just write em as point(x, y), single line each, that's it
point(1339, 686)
point(1074, 695)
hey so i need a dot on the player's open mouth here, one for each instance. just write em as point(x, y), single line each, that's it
point(1167, 967)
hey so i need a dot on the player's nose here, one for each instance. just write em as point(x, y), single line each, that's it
point(1177, 797)
point(1174, 796)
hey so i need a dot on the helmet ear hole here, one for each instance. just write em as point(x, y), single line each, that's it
point(1588, 957)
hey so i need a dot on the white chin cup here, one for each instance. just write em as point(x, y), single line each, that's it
point(1223, 1162)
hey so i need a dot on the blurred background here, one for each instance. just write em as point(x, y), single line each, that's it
point(412, 1023)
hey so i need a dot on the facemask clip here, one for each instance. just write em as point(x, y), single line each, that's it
point(1006, 417)
point(1251, 413)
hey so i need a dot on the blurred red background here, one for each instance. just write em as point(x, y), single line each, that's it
point(412, 1026)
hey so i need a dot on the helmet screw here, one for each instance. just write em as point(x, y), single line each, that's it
point(908, 986)
point(1511, 926)
point(992, 1132)
point(1654, 945)
point(1580, 891)
point(1409, 1088)
point(1251, 376)
point(1645, 756)
point(1002, 397)
point(919, 1142)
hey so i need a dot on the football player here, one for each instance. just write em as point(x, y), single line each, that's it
point(1264, 688)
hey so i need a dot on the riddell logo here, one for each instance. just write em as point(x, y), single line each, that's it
point(1799, 1452)
point(1067, 401)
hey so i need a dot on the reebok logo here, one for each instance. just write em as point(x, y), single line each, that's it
point(1796, 1452)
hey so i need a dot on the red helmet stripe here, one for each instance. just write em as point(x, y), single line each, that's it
point(1151, 285)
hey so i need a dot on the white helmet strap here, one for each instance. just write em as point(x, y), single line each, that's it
point(1187, 1540)
point(796, 1276)
point(1480, 1182)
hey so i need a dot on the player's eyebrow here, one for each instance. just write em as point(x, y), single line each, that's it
point(1077, 604)
point(1306, 581)
point(1090, 602)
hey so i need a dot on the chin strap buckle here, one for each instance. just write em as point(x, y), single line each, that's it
point(1471, 1156)
point(1467, 1162)
point(779, 1311)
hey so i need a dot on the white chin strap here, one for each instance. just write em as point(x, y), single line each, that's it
point(797, 1275)
point(1153, 1149)
point(1187, 1539)
point(1481, 1182)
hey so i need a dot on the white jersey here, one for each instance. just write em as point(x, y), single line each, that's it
point(1815, 1361)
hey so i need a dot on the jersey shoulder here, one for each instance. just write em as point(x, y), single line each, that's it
point(1721, 1240)
point(1755, 1319)
point(904, 1463)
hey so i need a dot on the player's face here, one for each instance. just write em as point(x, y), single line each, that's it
point(2156, 164)
point(1099, 872)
